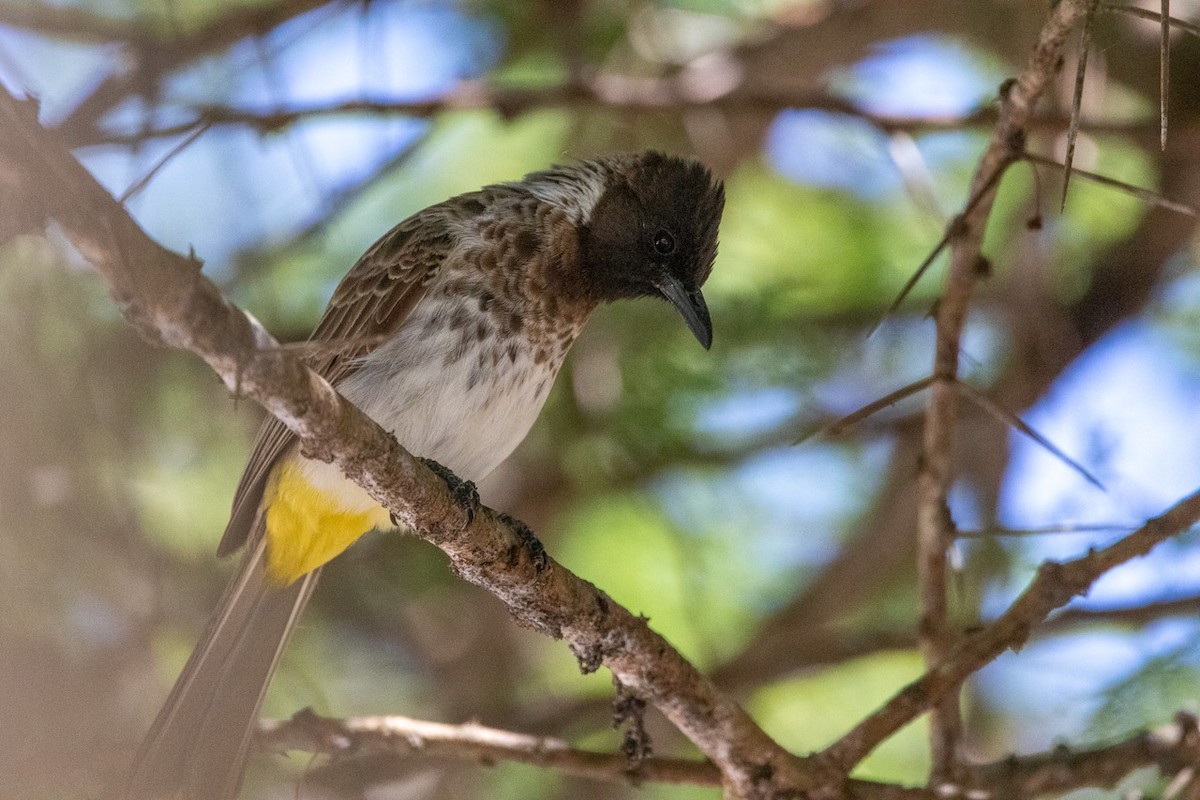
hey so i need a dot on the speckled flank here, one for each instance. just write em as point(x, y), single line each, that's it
point(466, 375)
point(477, 357)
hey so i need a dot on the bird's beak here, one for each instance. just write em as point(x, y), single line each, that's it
point(691, 305)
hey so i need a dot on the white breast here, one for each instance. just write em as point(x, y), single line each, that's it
point(466, 408)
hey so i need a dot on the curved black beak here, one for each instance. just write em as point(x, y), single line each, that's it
point(691, 306)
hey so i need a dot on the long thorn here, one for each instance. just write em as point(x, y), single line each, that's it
point(1008, 418)
point(1049, 530)
point(1164, 72)
point(144, 181)
point(1145, 195)
point(1145, 13)
point(855, 417)
point(952, 229)
point(1085, 45)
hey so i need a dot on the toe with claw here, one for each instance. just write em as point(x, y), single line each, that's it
point(465, 493)
point(529, 540)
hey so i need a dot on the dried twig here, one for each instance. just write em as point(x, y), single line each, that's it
point(1145, 13)
point(997, 531)
point(985, 190)
point(403, 736)
point(1059, 770)
point(1085, 46)
point(935, 527)
point(839, 426)
point(1007, 417)
point(615, 92)
point(1164, 71)
point(1169, 748)
point(1141, 193)
point(144, 181)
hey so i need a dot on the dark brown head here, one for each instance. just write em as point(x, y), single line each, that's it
point(653, 233)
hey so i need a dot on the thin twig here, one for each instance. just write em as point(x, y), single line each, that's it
point(403, 736)
point(1085, 46)
point(1006, 417)
point(839, 426)
point(1055, 772)
point(1164, 71)
point(1077, 101)
point(144, 181)
point(1046, 530)
point(610, 91)
point(1052, 772)
point(935, 525)
point(1145, 13)
point(154, 55)
point(952, 229)
point(1055, 585)
point(1125, 615)
point(1143, 194)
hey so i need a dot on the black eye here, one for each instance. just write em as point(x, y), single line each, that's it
point(664, 243)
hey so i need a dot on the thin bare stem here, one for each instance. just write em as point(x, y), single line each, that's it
point(1164, 71)
point(839, 426)
point(404, 736)
point(1143, 194)
point(1085, 46)
point(1145, 13)
point(935, 525)
point(1006, 417)
point(1046, 530)
point(952, 229)
point(144, 181)
point(1169, 748)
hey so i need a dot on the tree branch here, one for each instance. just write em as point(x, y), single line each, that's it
point(167, 299)
point(402, 736)
point(81, 25)
point(154, 55)
point(618, 93)
point(935, 526)
point(1048, 336)
point(1054, 585)
point(1170, 749)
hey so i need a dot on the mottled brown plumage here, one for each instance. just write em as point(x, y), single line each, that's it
point(449, 332)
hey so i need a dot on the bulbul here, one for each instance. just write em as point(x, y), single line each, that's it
point(448, 332)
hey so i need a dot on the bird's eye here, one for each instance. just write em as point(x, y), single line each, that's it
point(664, 243)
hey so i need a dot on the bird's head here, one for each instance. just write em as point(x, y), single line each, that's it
point(653, 232)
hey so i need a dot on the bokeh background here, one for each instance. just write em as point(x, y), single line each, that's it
point(695, 487)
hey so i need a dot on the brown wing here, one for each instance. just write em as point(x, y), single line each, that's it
point(369, 305)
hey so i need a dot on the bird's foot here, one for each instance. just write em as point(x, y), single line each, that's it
point(465, 493)
point(529, 540)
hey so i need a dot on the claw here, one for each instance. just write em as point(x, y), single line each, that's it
point(465, 493)
point(529, 540)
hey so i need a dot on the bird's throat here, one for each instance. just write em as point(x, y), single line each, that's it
point(307, 525)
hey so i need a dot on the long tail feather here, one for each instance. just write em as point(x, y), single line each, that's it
point(196, 749)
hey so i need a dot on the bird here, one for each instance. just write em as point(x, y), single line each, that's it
point(449, 332)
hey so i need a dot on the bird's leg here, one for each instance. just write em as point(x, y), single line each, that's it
point(630, 710)
point(465, 493)
point(529, 540)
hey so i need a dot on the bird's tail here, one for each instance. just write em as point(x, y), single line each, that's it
point(197, 748)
